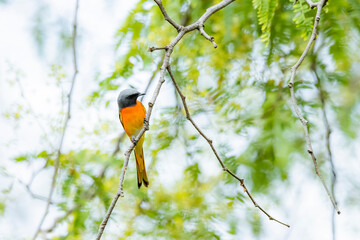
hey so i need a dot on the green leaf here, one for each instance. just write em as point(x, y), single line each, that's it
point(21, 158)
point(2, 208)
point(42, 154)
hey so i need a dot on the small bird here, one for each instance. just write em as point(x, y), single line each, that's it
point(132, 115)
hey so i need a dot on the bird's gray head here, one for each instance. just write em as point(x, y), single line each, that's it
point(127, 98)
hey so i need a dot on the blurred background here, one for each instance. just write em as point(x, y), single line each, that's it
point(237, 94)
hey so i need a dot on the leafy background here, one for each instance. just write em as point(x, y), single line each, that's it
point(237, 93)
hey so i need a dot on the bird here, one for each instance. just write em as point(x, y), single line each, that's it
point(132, 115)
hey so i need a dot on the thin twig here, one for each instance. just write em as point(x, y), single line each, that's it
point(151, 49)
point(207, 36)
point(294, 102)
point(210, 142)
point(166, 16)
point(68, 116)
point(328, 132)
point(168, 51)
point(29, 184)
point(32, 194)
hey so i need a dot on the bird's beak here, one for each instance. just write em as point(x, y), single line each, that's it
point(141, 94)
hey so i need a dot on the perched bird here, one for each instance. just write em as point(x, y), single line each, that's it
point(132, 115)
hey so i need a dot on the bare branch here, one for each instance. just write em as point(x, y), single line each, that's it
point(328, 146)
point(166, 16)
point(205, 35)
point(57, 160)
point(166, 61)
point(294, 102)
point(32, 194)
point(199, 24)
point(210, 142)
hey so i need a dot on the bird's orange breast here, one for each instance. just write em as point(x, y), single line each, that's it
point(132, 119)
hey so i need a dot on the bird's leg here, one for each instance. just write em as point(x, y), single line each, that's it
point(133, 139)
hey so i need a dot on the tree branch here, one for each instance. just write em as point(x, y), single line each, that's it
point(31, 193)
point(328, 146)
point(294, 103)
point(210, 142)
point(68, 116)
point(166, 16)
point(205, 35)
point(166, 61)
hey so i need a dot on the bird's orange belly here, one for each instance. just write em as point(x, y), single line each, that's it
point(133, 119)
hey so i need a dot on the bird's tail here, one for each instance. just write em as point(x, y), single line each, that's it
point(140, 164)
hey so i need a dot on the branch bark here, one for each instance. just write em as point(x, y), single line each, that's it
point(67, 118)
point(303, 121)
point(210, 142)
point(168, 51)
